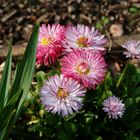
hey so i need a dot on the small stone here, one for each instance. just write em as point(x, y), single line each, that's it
point(19, 20)
point(112, 18)
point(27, 31)
point(73, 16)
point(138, 29)
point(2, 66)
point(116, 30)
point(71, 9)
point(21, 5)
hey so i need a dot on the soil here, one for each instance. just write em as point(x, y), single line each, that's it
point(18, 17)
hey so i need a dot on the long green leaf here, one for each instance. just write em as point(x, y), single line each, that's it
point(22, 80)
point(8, 109)
point(25, 69)
point(5, 131)
point(5, 79)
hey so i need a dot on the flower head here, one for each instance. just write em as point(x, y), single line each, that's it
point(49, 43)
point(50, 34)
point(88, 67)
point(114, 107)
point(48, 55)
point(82, 36)
point(62, 95)
point(133, 49)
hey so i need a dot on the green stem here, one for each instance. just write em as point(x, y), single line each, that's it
point(122, 75)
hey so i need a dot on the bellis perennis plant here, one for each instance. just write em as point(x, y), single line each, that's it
point(80, 51)
point(81, 68)
point(80, 96)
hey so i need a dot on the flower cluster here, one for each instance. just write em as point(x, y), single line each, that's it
point(80, 51)
point(56, 39)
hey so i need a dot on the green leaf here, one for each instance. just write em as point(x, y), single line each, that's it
point(89, 118)
point(95, 137)
point(129, 102)
point(5, 131)
point(99, 25)
point(122, 76)
point(108, 81)
point(8, 109)
point(136, 92)
point(40, 77)
point(63, 135)
point(105, 20)
point(70, 127)
point(135, 126)
point(134, 9)
point(128, 72)
point(22, 80)
point(25, 69)
point(5, 79)
point(53, 72)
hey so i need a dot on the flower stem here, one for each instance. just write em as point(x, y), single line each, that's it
point(122, 75)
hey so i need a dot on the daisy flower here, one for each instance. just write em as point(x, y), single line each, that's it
point(82, 36)
point(114, 107)
point(49, 43)
point(48, 55)
point(50, 34)
point(133, 49)
point(62, 95)
point(88, 67)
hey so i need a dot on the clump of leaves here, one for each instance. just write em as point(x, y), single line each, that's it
point(134, 9)
point(91, 122)
point(12, 98)
point(102, 23)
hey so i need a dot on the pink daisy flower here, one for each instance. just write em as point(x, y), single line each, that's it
point(88, 67)
point(49, 43)
point(82, 36)
point(114, 107)
point(48, 55)
point(62, 95)
point(133, 49)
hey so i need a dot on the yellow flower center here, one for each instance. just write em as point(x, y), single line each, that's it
point(46, 41)
point(82, 41)
point(83, 68)
point(62, 93)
